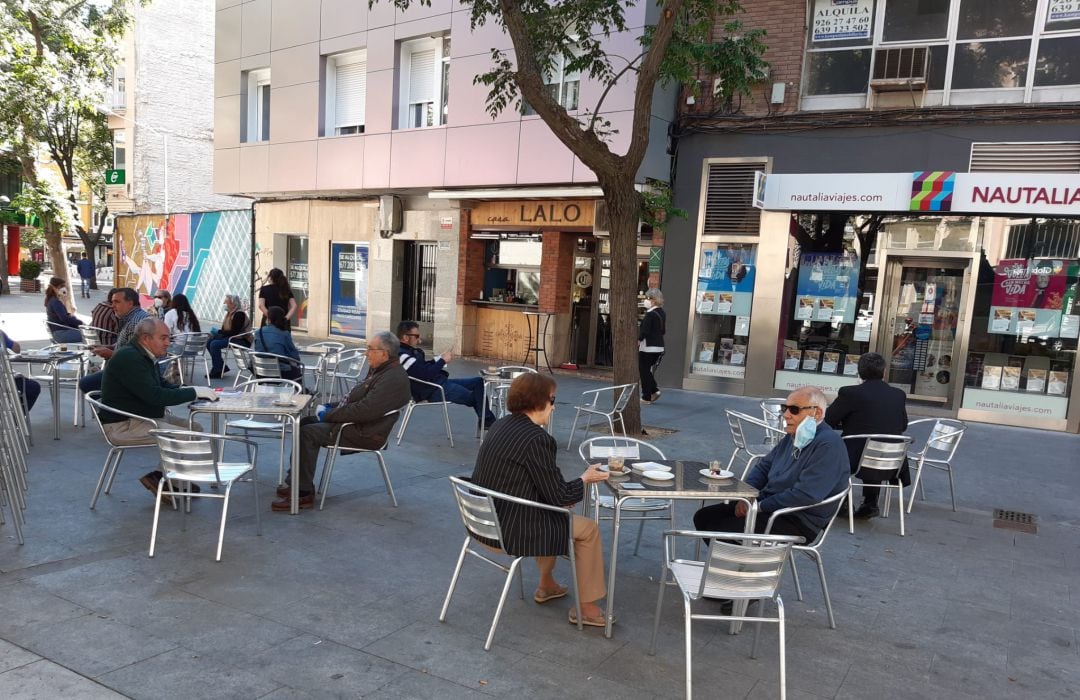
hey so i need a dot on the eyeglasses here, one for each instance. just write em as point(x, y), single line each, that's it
point(552, 399)
point(412, 335)
point(794, 410)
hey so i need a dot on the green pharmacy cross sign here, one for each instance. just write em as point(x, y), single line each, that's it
point(115, 177)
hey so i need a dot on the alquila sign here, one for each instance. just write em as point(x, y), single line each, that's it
point(1049, 194)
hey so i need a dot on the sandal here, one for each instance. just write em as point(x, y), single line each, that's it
point(543, 595)
point(597, 621)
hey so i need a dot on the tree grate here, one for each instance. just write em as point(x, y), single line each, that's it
point(1015, 520)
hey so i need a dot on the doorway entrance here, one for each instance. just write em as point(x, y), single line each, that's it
point(418, 287)
point(921, 332)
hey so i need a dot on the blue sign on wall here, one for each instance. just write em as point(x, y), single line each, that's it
point(348, 289)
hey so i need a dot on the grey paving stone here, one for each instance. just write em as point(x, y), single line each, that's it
point(184, 674)
point(415, 684)
point(12, 656)
point(323, 668)
point(45, 680)
point(26, 605)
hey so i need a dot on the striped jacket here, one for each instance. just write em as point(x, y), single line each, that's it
point(518, 458)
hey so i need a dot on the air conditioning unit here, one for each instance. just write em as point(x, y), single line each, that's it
point(900, 69)
point(390, 215)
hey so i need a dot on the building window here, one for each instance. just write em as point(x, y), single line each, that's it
point(256, 103)
point(119, 149)
point(424, 78)
point(722, 301)
point(119, 100)
point(564, 85)
point(291, 255)
point(346, 93)
point(980, 51)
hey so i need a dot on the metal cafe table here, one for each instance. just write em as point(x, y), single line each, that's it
point(52, 360)
point(687, 485)
point(291, 406)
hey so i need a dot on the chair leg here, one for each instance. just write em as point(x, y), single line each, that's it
point(454, 580)
point(281, 457)
point(952, 487)
point(386, 480)
point(112, 474)
point(105, 468)
point(573, 428)
point(157, 514)
point(327, 470)
point(783, 648)
point(916, 483)
point(824, 586)
point(255, 490)
point(689, 648)
point(899, 506)
point(446, 417)
point(224, 514)
point(502, 602)
point(405, 421)
point(850, 509)
point(795, 575)
point(611, 426)
point(640, 529)
point(659, 607)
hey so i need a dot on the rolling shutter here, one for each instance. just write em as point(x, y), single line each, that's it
point(351, 95)
point(729, 195)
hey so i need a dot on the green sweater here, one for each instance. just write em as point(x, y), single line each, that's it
point(132, 383)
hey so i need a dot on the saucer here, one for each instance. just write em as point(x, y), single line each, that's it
point(657, 475)
point(719, 476)
point(642, 467)
point(286, 402)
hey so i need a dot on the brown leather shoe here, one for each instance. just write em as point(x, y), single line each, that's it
point(282, 505)
point(284, 491)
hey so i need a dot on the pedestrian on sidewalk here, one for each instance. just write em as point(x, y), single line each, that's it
point(651, 344)
point(86, 272)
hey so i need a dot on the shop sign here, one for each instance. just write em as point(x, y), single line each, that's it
point(1062, 11)
point(836, 20)
point(537, 214)
point(1052, 194)
point(726, 280)
point(828, 287)
point(446, 222)
point(1030, 297)
point(1016, 404)
point(708, 369)
point(349, 289)
point(829, 383)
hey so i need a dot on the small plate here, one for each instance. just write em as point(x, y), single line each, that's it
point(719, 476)
point(286, 402)
point(657, 475)
point(642, 467)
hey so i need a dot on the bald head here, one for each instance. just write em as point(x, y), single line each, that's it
point(803, 403)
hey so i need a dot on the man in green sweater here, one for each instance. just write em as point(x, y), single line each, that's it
point(132, 383)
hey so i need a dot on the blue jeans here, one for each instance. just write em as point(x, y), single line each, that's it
point(66, 335)
point(468, 391)
point(91, 382)
point(214, 347)
point(84, 285)
point(28, 388)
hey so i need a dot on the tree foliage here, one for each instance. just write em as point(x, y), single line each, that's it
point(684, 39)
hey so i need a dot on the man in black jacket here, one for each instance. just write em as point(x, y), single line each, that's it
point(385, 389)
point(467, 391)
point(870, 407)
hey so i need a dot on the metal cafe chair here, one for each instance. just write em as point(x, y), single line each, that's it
point(241, 355)
point(621, 395)
point(413, 404)
point(267, 365)
point(116, 450)
point(337, 373)
point(476, 506)
point(192, 458)
point(332, 452)
point(627, 448)
point(742, 426)
point(14, 448)
point(813, 549)
point(266, 426)
point(773, 415)
point(937, 452)
point(192, 347)
point(68, 373)
point(738, 572)
point(883, 454)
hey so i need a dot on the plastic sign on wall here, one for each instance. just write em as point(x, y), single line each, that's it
point(349, 289)
point(1029, 297)
point(837, 20)
point(828, 287)
point(726, 280)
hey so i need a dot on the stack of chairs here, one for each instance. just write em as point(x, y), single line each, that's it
point(14, 447)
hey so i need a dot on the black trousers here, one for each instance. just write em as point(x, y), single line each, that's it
point(647, 362)
point(721, 518)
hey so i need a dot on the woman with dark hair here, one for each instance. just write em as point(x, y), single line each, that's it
point(180, 318)
point(275, 337)
point(234, 329)
point(63, 326)
point(651, 344)
point(518, 458)
point(276, 293)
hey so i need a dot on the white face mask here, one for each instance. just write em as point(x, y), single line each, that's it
point(805, 433)
point(63, 291)
point(158, 302)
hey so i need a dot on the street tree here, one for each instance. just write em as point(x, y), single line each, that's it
point(689, 39)
point(56, 57)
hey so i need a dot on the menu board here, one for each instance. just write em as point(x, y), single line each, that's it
point(725, 285)
point(1030, 297)
point(828, 287)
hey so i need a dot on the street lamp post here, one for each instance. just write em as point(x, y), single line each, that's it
point(103, 109)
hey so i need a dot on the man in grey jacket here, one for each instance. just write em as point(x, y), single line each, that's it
point(385, 389)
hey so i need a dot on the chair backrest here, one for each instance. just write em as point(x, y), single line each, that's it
point(773, 413)
point(265, 364)
point(625, 392)
point(349, 364)
point(332, 344)
point(606, 446)
point(94, 399)
point(186, 454)
point(738, 425)
point(194, 343)
point(514, 371)
point(241, 354)
point(746, 571)
point(944, 439)
point(477, 511)
point(882, 452)
point(270, 386)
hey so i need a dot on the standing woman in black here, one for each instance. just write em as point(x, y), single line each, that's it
point(276, 292)
point(651, 343)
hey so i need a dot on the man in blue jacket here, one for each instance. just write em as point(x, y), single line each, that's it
point(468, 391)
point(85, 268)
point(807, 466)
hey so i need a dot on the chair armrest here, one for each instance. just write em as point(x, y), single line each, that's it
point(216, 437)
point(921, 420)
point(778, 539)
point(879, 436)
point(836, 498)
point(498, 495)
point(433, 385)
point(95, 401)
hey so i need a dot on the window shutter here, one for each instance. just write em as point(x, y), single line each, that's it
point(1041, 157)
point(422, 76)
point(729, 195)
point(351, 97)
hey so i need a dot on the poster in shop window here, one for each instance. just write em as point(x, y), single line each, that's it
point(828, 287)
point(348, 289)
point(838, 20)
point(1062, 11)
point(1030, 295)
point(726, 281)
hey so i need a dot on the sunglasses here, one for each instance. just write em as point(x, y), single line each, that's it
point(794, 410)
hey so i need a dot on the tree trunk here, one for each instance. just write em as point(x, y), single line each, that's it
point(54, 250)
point(624, 210)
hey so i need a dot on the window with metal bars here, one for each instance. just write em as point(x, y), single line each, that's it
point(418, 293)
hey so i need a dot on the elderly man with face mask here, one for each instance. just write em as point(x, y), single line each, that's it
point(807, 466)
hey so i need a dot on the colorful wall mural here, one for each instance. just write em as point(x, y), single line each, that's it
point(204, 256)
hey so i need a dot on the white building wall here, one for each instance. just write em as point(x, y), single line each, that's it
point(171, 88)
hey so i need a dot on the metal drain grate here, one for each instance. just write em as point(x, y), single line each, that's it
point(1015, 520)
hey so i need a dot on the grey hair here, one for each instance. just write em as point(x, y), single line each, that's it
point(656, 295)
point(233, 299)
point(815, 396)
point(387, 341)
point(146, 327)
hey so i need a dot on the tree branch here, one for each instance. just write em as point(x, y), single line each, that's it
point(611, 84)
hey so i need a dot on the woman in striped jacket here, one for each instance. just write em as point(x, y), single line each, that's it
point(518, 458)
